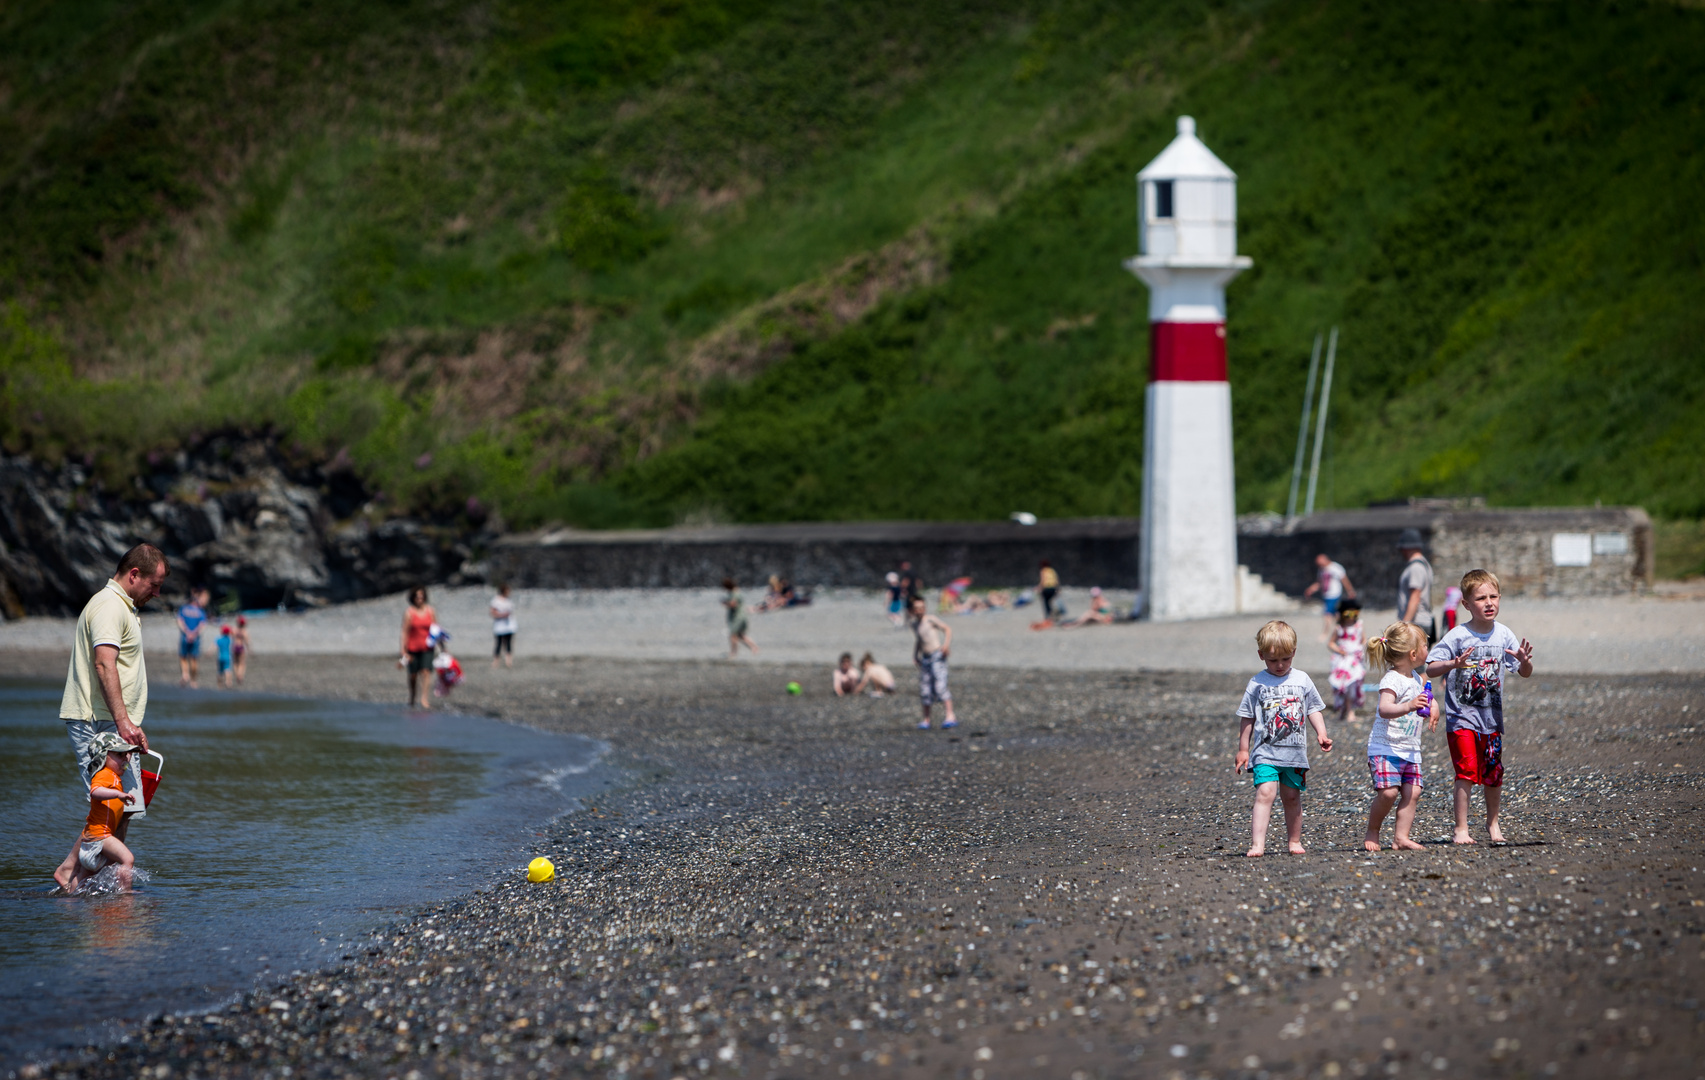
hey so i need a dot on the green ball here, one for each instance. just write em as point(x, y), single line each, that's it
point(795, 688)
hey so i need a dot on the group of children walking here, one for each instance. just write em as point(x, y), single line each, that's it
point(1280, 705)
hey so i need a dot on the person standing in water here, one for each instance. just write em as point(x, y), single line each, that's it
point(503, 626)
point(191, 618)
point(106, 685)
point(240, 649)
point(417, 647)
point(738, 621)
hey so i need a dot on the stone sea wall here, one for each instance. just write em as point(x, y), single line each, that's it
point(1519, 544)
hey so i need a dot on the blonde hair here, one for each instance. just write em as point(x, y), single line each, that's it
point(1475, 578)
point(1278, 638)
point(1399, 640)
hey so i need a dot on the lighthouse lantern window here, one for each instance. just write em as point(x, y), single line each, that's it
point(1162, 199)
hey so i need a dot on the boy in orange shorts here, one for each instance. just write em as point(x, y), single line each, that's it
point(107, 805)
point(1473, 657)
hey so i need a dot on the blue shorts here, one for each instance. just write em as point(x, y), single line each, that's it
point(1286, 775)
point(188, 649)
point(1332, 605)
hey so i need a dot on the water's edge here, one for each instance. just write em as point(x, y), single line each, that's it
point(502, 855)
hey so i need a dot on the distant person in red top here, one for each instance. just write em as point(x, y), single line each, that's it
point(108, 803)
point(417, 647)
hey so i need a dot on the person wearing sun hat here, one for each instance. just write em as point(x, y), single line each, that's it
point(98, 843)
point(1415, 585)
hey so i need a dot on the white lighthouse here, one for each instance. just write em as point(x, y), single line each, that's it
point(1187, 219)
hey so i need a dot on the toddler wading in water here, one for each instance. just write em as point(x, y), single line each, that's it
point(1278, 704)
point(1394, 744)
point(1347, 668)
point(108, 803)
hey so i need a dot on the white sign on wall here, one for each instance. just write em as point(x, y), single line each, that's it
point(1610, 543)
point(1571, 549)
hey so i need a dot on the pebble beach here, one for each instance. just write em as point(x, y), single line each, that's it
point(777, 885)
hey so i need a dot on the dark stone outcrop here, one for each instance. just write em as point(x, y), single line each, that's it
point(235, 513)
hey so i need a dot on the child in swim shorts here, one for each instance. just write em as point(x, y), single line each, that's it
point(1271, 744)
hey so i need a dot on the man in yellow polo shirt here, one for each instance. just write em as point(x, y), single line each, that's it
point(106, 688)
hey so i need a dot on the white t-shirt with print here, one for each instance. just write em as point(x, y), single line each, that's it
point(1332, 577)
point(1280, 708)
point(503, 621)
point(1399, 738)
point(1474, 695)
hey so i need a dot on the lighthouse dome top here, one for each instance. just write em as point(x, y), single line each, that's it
point(1186, 157)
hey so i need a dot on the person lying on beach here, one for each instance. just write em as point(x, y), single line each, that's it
point(876, 679)
point(993, 600)
point(98, 845)
point(1100, 612)
point(781, 594)
point(845, 678)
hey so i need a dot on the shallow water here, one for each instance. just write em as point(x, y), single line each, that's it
point(282, 831)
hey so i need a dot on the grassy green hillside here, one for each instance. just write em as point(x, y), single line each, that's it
point(619, 261)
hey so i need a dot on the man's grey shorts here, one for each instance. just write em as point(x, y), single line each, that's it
point(82, 733)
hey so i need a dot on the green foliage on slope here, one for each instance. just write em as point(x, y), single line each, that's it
point(632, 262)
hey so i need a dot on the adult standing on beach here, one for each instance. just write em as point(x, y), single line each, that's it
point(503, 626)
point(191, 618)
point(911, 584)
point(1048, 587)
point(106, 685)
point(417, 647)
point(1415, 586)
point(1333, 583)
point(738, 621)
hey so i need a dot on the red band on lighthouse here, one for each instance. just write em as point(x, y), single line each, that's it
point(1187, 352)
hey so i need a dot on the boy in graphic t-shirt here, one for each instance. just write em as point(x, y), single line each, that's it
point(108, 803)
point(1473, 658)
point(1278, 704)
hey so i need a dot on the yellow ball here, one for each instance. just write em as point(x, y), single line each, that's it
point(541, 869)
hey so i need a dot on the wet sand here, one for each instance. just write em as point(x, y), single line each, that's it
point(805, 886)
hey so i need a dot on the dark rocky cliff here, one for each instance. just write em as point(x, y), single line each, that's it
point(236, 513)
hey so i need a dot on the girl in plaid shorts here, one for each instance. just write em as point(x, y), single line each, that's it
point(1394, 744)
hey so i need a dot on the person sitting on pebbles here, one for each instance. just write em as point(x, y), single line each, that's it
point(845, 678)
point(875, 679)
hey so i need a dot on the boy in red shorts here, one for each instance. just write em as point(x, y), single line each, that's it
point(1472, 658)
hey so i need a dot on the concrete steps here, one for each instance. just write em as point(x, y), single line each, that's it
point(1256, 597)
